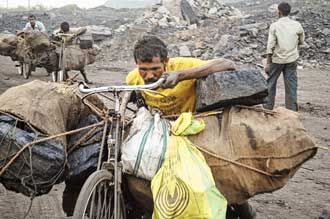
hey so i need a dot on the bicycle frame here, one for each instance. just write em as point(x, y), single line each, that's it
point(61, 61)
point(114, 139)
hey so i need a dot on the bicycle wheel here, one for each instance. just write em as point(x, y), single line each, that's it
point(20, 68)
point(26, 70)
point(54, 76)
point(96, 199)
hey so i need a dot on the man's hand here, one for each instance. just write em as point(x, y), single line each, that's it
point(267, 68)
point(171, 80)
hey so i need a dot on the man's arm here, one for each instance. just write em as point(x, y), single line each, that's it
point(270, 47)
point(301, 36)
point(26, 26)
point(216, 65)
point(42, 27)
point(125, 100)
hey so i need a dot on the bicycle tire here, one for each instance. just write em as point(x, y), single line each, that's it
point(27, 68)
point(87, 192)
point(54, 76)
point(21, 68)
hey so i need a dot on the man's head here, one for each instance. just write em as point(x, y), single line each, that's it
point(32, 20)
point(65, 27)
point(284, 9)
point(150, 55)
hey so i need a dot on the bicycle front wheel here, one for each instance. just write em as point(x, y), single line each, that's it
point(96, 199)
point(26, 70)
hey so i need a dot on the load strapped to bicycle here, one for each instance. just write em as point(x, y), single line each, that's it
point(33, 49)
point(230, 154)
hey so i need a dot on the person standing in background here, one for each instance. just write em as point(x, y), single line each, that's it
point(282, 54)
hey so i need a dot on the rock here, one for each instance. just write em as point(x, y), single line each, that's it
point(245, 52)
point(199, 44)
point(99, 33)
point(243, 33)
point(197, 53)
point(184, 36)
point(213, 10)
point(184, 51)
point(273, 8)
point(327, 51)
point(224, 40)
point(218, 90)
point(326, 31)
point(188, 13)
point(205, 56)
point(121, 28)
point(192, 27)
point(163, 10)
point(325, 214)
point(254, 32)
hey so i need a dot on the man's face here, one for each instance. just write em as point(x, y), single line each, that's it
point(151, 71)
point(32, 21)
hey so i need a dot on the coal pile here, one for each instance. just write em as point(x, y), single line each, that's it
point(244, 87)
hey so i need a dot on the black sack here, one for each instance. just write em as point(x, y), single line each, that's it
point(48, 160)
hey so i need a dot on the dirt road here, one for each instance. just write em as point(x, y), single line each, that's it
point(305, 196)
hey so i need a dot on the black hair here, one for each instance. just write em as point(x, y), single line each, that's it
point(32, 16)
point(65, 27)
point(148, 47)
point(285, 8)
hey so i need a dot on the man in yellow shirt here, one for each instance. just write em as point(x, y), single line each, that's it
point(151, 57)
point(179, 88)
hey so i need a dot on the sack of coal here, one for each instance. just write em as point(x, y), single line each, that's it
point(38, 167)
point(82, 161)
point(38, 41)
point(243, 87)
point(8, 43)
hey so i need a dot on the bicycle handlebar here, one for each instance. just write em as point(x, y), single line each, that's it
point(147, 87)
point(66, 34)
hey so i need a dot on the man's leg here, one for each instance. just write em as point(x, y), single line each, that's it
point(291, 83)
point(241, 211)
point(275, 71)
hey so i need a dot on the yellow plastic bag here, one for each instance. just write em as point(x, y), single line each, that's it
point(184, 185)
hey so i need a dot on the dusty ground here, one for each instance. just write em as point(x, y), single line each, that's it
point(305, 196)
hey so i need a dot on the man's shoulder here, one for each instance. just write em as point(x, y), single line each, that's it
point(178, 63)
point(133, 77)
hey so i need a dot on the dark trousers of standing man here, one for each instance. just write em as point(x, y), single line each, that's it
point(290, 81)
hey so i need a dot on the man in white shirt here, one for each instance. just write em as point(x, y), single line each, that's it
point(282, 54)
point(34, 25)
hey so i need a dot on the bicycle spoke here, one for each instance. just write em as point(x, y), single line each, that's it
point(104, 205)
point(99, 198)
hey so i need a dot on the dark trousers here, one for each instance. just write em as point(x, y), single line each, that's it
point(290, 81)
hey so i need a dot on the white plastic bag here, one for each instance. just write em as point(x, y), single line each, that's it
point(144, 150)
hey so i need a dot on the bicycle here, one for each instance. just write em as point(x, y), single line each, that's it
point(101, 195)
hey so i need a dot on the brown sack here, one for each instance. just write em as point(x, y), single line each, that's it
point(50, 107)
point(273, 142)
point(38, 41)
point(8, 43)
point(77, 59)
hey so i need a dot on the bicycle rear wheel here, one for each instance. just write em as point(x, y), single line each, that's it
point(96, 199)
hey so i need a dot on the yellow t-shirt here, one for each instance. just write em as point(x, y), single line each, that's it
point(181, 98)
